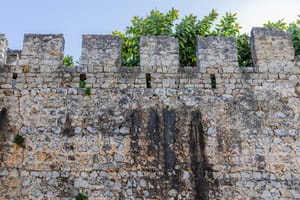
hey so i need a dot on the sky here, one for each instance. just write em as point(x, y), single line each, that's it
point(76, 17)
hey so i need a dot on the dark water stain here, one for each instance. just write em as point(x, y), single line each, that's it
point(202, 170)
point(162, 136)
point(3, 131)
point(3, 122)
point(169, 138)
point(162, 133)
point(135, 120)
point(154, 130)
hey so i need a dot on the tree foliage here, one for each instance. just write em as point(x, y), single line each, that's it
point(244, 50)
point(280, 25)
point(156, 23)
point(186, 31)
point(294, 29)
point(228, 25)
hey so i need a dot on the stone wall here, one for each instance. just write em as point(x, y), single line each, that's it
point(101, 53)
point(3, 49)
point(158, 131)
point(159, 54)
point(271, 46)
point(43, 53)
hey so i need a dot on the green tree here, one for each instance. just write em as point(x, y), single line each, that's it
point(244, 50)
point(294, 30)
point(280, 25)
point(186, 31)
point(228, 26)
point(156, 23)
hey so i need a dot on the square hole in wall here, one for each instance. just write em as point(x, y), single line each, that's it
point(148, 80)
point(213, 81)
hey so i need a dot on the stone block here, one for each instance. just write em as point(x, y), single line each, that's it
point(101, 52)
point(46, 50)
point(220, 52)
point(271, 45)
point(159, 51)
point(3, 49)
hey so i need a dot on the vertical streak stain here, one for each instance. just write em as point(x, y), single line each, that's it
point(169, 139)
point(3, 129)
point(135, 119)
point(200, 166)
point(3, 121)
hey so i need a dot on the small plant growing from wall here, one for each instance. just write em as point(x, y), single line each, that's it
point(68, 61)
point(19, 140)
point(81, 196)
point(88, 91)
point(82, 83)
point(82, 79)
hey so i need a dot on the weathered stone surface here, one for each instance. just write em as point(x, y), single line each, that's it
point(101, 52)
point(3, 50)
point(179, 139)
point(271, 45)
point(215, 53)
point(159, 54)
point(43, 52)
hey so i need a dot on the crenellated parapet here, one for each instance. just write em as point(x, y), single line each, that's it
point(40, 63)
point(154, 131)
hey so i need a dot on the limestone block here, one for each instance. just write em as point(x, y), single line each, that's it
point(42, 52)
point(3, 49)
point(271, 45)
point(217, 52)
point(101, 52)
point(159, 51)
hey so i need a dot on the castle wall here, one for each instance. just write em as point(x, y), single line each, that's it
point(158, 131)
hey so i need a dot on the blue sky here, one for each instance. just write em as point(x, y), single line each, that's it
point(76, 17)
